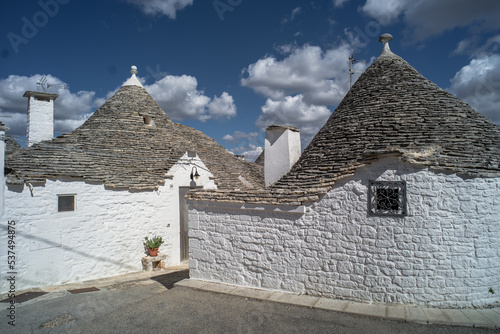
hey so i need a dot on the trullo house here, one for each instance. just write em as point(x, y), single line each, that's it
point(83, 202)
point(395, 200)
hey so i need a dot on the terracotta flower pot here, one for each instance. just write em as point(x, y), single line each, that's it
point(153, 251)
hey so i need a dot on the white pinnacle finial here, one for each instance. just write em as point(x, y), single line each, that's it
point(385, 38)
point(133, 81)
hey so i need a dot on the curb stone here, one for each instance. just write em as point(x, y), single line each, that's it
point(486, 318)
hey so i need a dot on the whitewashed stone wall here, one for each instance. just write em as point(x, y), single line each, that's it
point(445, 253)
point(103, 237)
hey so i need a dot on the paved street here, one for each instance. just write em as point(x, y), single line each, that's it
point(154, 305)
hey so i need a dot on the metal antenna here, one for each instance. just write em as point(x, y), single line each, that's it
point(42, 83)
point(45, 85)
point(351, 71)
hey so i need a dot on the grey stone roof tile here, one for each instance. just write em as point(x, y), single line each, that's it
point(115, 147)
point(391, 109)
point(11, 145)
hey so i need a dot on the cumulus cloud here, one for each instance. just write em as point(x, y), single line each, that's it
point(247, 144)
point(293, 111)
point(71, 109)
point(222, 107)
point(477, 47)
point(238, 136)
point(426, 18)
point(300, 87)
point(478, 83)
point(385, 11)
point(321, 76)
point(162, 7)
point(180, 98)
point(251, 152)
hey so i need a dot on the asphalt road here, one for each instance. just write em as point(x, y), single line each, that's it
point(155, 306)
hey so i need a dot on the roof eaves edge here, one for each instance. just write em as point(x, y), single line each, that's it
point(276, 208)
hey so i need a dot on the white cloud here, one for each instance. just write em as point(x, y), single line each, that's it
point(177, 95)
point(296, 11)
point(426, 18)
point(247, 144)
point(251, 152)
point(477, 48)
point(294, 111)
point(290, 17)
point(16, 122)
point(339, 3)
point(237, 136)
point(180, 98)
point(322, 77)
point(70, 109)
point(162, 7)
point(479, 85)
point(301, 86)
point(222, 107)
point(385, 11)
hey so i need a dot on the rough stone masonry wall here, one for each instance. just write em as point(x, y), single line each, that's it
point(103, 237)
point(445, 253)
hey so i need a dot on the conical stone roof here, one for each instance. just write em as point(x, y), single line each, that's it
point(391, 109)
point(11, 145)
point(115, 147)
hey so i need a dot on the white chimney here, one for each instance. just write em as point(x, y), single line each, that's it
point(281, 152)
point(40, 116)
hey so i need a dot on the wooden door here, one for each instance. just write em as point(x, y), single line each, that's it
point(184, 223)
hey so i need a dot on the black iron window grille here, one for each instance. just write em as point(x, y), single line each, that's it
point(387, 198)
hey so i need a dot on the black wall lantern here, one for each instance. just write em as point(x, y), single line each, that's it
point(194, 174)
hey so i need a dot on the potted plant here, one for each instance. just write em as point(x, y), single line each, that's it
point(153, 244)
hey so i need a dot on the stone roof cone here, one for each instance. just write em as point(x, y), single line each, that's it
point(129, 143)
point(393, 109)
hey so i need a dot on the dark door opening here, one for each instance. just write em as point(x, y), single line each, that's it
point(184, 222)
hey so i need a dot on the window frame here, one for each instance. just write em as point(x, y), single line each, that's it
point(373, 200)
point(59, 202)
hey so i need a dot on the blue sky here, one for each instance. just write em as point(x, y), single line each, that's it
point(232, 67)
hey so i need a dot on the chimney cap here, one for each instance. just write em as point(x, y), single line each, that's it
point(282, 127)
point(40, 95)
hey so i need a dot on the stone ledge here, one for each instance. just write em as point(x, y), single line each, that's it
point(153, 262)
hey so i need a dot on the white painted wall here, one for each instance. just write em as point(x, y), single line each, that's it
point(445, 253)
point(40, 120)
point(281, 152)
point(103, 237)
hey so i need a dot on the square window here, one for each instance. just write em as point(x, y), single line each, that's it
point(387, 198)
point(65, 203)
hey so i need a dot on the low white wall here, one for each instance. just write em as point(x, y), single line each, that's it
point(445, 253)
point(103, 237)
